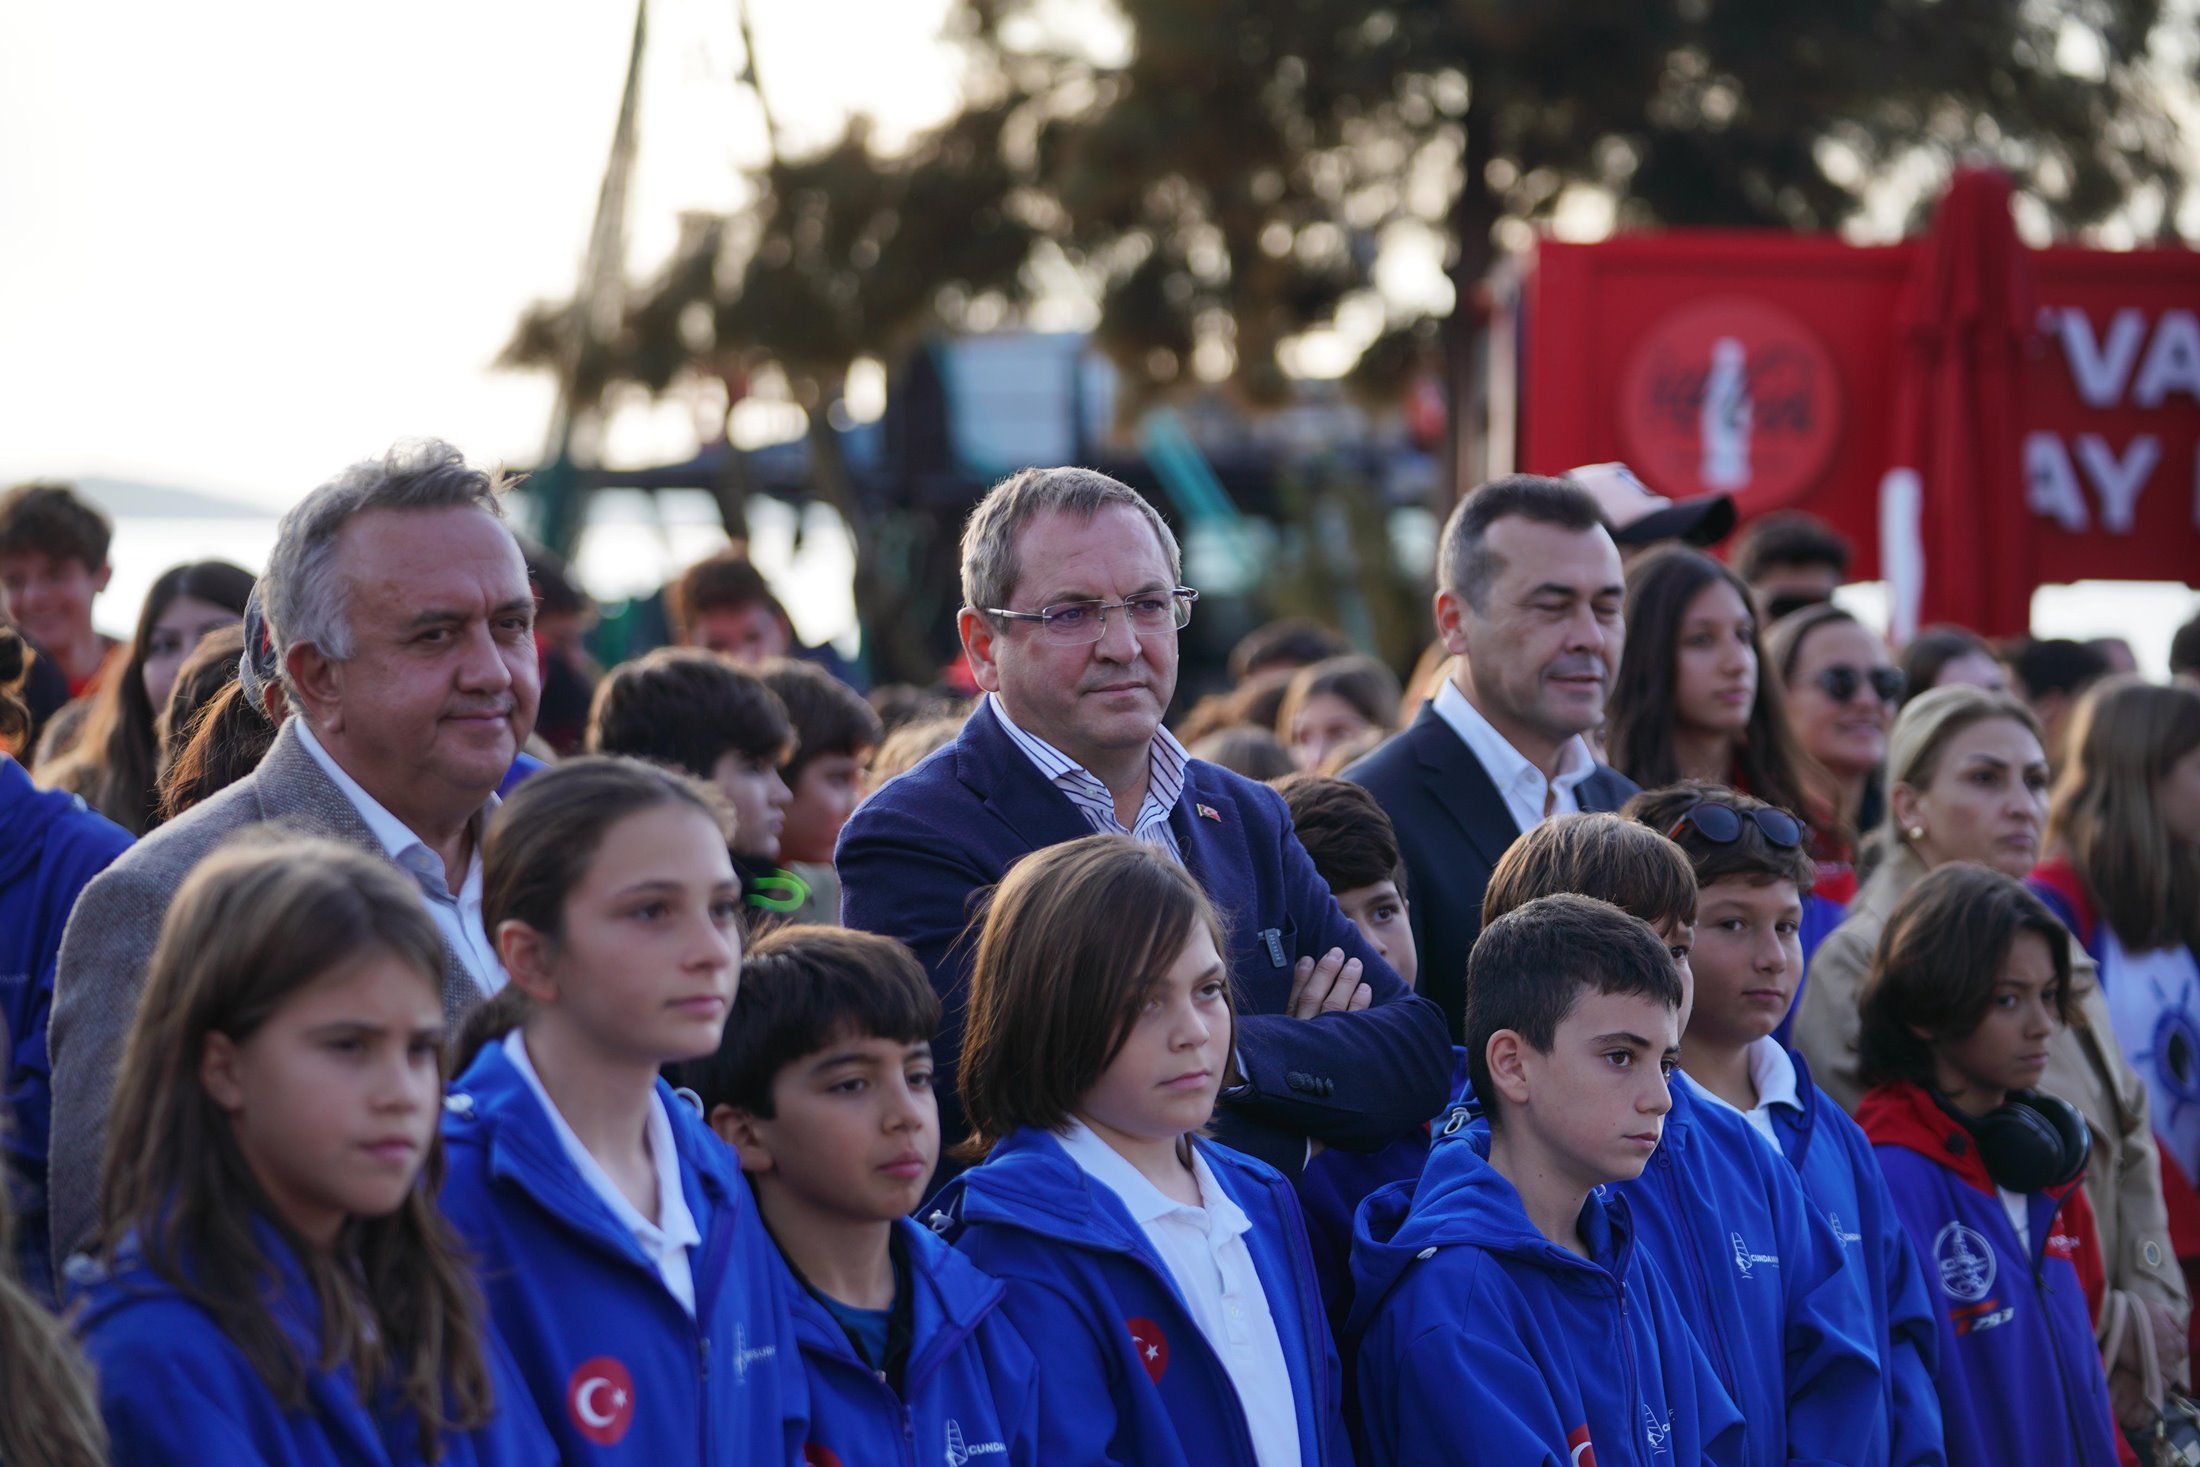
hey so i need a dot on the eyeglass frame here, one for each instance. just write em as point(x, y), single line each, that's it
point(1181, 597)
point(1886, 682)
point(1743, 819)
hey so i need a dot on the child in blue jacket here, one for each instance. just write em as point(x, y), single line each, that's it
point(270, 1281)
point(621, 1252)
point(824, 1084)
point(1165, 1279)
point(1761, 1277)
point(1751, 876)
point(1503, 1314)
point(1970, 984)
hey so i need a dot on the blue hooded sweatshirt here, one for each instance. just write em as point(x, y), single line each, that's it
point(175, 1389)
point(2020, 1375)
point(970, 1389)
point(51, 845)
point(620, 1372)
point(1841, 1176)
point(1765, 1286)
point(1130, 1380)
point(1478, 1340)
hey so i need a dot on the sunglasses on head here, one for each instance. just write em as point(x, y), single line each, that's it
point(1841, 682)
point(1722, 824)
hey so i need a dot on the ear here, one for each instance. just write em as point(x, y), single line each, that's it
point(100, 578)
point(980, 638)
point(1907, 805)
point(1451, 612)
point(218, 1073)
point(740, 1130)
point(319, 680)
point(1507, 1056)
point(525, 954)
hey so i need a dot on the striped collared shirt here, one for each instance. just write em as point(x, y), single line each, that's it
point(1164, 784)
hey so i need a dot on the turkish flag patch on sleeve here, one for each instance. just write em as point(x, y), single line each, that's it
point(1583, 1451)
point(1152, 1345)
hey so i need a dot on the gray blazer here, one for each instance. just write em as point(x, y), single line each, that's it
point(109, 942)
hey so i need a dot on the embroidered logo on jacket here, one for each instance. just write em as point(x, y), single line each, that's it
point(744, 1357)
point(1746, 1260)
point(1848, 1239)
point(1966, 1262)
point(1657, 1434)
point(600, 1399)
point(959, 1452)
point(1152, 1345)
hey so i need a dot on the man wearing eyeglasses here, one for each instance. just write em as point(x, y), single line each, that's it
point(1072, 604)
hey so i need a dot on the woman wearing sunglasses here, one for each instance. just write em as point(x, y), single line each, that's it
point(1967, 781)
point(1691, 700)
point(1841, 694)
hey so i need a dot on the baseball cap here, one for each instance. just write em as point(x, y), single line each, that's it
point(1639, 515)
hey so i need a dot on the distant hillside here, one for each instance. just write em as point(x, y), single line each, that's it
point(130, 501)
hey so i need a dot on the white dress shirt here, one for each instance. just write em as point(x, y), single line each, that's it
point(1204, 1250)
point(457, 916)
point(1164, 784)
point(1772, 1071)
point(664, 1242)
point(1531, 798)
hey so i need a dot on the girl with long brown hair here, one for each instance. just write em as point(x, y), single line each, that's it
point(622, 1253)
point(271, 1280)
point(1167, 1280)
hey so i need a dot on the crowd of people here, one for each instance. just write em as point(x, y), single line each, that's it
point(1670, 1025)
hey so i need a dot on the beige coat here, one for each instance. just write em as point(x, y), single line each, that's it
point(2084, 1067)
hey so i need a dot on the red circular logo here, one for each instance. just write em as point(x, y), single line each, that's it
point(814, 1455)
point(1152, 1345)
point(600, 1399)
point(1731, 395)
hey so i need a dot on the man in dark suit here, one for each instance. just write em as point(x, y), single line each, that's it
point(400, 611)
point(1072, 608)
point(1528, 604)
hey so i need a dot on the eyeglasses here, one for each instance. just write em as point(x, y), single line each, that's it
point(1074, 623)
point(1841, 682)
point(1722, 824)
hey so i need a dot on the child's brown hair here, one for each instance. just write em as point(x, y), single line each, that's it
point(1602, 856)
point(1073, 940)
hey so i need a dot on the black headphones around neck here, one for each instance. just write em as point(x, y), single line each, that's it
point(2030, 1143)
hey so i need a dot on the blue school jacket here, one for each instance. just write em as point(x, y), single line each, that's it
point(1764, 1284)
point(173, 1388)
point(618, 1370)
point(2020, 1376)
point(51, 845)
point(1335, 1183)
point(1129, 1379)
point(1477, 1340)
point(970, 1390)
point(1841, 1177)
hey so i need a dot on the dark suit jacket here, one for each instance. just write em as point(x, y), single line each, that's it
point(1452, 827)
point(917, 853)
point(110, 938)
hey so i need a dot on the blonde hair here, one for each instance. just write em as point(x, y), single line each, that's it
point(1925, 727)
point(2104, 816)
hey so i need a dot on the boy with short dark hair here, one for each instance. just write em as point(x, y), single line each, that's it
point(824, 1084)
point(1355, 849)
point(835, 731)
point(697, 711)
point(1504, 1314)
point(53, 562)
point(1763, 1281)
point(1752, 872)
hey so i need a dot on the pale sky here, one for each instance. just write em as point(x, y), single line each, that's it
point(245, 242)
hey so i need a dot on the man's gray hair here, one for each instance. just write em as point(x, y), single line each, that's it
point(305, 597)
point(989, 568)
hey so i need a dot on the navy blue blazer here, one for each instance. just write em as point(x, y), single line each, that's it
point(916, 855)
point(1452, 827)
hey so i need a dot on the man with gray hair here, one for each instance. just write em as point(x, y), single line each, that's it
point(401, 617)
point(1072, 606)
